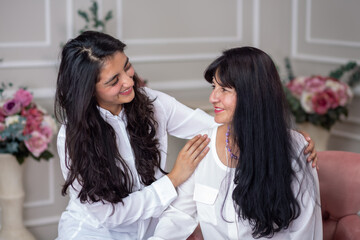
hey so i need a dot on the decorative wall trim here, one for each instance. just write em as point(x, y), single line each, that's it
point(351, 136)
point(119, 19)
point(46, 93)
point(256, 22)
point(27, 64)
point(180, 85)
point(333, 42)
point(149, 58)
point(44, 43)
point(145, 41)
point(51, 184)
point(173, 58)
point(69, 18)
point(42, 221)
point(294, 41)
point(353, 120)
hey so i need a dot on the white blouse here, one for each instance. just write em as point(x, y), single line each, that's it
point(205, 198)
point(135, 218)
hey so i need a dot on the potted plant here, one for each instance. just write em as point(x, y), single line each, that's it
point(318, 102)
point(26, 130)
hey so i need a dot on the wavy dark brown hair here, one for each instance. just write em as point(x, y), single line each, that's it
point(93, 158)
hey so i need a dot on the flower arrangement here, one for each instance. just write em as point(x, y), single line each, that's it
point(25, 128)
point(321, 100)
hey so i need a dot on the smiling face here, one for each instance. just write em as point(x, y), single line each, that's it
point(116, 83)
point(224, 101)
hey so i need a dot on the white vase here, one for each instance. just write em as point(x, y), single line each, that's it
point(318, 134)
point(12, 200)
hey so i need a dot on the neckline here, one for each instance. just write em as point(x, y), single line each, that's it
point(215, 154)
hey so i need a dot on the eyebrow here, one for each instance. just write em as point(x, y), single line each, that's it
point(115, 76)
point(126, 62)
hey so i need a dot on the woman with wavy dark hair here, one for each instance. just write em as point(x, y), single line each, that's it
point(254, 182)
point(113, 142)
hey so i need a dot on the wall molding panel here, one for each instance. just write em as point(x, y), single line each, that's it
point(42, 221)
point(44, 43)
point(348, 135)
point(145, 41)
point(333, 42)
point(179, 85)
point(308, 39)
point(51, 184)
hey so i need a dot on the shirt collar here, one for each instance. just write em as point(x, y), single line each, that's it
point(107, 114)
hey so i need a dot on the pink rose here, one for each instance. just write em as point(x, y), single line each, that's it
point(47, 132)
point(37, 143)
point(321, 102)
point(296, 86)
point(34, 117)
point(11, 107)
point(315, 84)
point(343, 95)
point(333, 98)
point(2, 115)
point(24, 97)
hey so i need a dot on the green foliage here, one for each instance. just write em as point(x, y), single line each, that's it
point(289, 70)
point(351, 67)
point(92, 20)
point(3, 87)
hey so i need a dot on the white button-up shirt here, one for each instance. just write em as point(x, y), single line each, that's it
point(206, 198)
point(135, 218)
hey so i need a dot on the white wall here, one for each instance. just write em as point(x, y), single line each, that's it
point(170, 43)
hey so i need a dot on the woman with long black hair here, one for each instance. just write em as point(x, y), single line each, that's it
point(254, 182)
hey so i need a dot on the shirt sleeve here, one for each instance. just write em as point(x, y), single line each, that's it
point(309, 224)
point(181, 121)
point(148, 202)
point(179, 220)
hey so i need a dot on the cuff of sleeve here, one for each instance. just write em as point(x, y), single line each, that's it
point(165, 190)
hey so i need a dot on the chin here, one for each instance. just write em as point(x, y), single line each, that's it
point(219, 121)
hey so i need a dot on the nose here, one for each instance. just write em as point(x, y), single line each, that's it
point(213, 96)
point(128, 80)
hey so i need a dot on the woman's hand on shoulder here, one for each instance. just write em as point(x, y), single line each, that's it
point(188, 159)
point(310, 149)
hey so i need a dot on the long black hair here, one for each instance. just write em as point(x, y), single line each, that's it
point(94, 160)
point(260, 129)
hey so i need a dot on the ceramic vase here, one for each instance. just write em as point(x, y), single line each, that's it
point(12, 200)
point(318, 134)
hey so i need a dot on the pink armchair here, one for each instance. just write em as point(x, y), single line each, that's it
point(339, 177)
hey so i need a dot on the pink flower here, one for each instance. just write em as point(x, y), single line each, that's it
point(37, 143)
point(34, 117)
point(344, 95)
point(47, 132)
point(315, 84)
point(11, 107)
point(24, 97)
point(2, 115)
point(321, 102)
point(296, 86)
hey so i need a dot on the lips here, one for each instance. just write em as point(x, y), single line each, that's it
point(218, 110)
point(126, 92)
